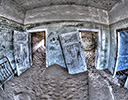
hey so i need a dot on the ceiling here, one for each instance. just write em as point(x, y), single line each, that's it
point(102, 4)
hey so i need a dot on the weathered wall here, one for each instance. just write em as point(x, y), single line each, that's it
point(36, 81)
point(11, 10)
point(41, 83)
point(6, 38)
point(113, 41)
point(54, 83)
point(66, 12)
point(54, 53)
point(69, 13)
point(118, 18)
point(118, 12)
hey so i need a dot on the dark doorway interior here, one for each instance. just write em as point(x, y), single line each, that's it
point(38, 48)
point(89, 42)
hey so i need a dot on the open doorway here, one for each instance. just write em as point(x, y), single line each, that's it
point(121, 64)
point(89, 42)
point(38, 48)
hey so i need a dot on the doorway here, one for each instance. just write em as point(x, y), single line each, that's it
point(121, 65)
point(89, 42)
point(38, 48)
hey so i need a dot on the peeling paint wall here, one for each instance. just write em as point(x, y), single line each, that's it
point(53, 49)
point(66, 12)
point(6, 39)
point(12, 11)
point(41, 83)
point(55, 26)
point(72, 13)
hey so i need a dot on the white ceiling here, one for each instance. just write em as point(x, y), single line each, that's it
point(102, 4)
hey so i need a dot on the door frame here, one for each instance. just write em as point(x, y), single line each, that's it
point(99, 42)
point(117, 47)
point(46, 33)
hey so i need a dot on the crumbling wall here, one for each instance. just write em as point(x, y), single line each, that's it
point(53, 49)
point(37, 80)
point(54, 53)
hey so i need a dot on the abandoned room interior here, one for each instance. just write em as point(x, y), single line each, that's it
point(63, 49)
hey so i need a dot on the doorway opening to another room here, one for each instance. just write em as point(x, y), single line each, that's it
point(89, 41)
point(38, 43)
point(121, 62)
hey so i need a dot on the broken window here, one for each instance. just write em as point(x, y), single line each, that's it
point(6, 71)
point(73, 52)
point(22, 51)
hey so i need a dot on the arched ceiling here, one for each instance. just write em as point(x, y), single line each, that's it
point(102, 4)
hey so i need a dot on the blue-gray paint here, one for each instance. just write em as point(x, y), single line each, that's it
point(53, 48)
point(123, 51)
point(113, 43)
point(6, 39)
point(22, 51)
point(73, 52)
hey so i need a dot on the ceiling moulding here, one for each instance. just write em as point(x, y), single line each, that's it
point(66, 13)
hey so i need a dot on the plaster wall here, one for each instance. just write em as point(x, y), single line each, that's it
point(6, 39)
point(53, 48)
point(11, 10)
point(66, 13)
point(118, 19)
point(118, 12)
point(62, 19)
point(54, 77)
point(113, 41)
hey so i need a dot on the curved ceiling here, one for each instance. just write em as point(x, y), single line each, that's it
point(102, 4)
